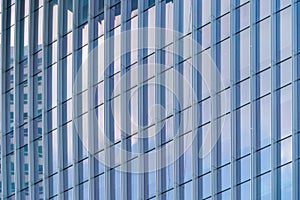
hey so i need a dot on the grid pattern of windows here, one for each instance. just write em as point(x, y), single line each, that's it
point(50, 146)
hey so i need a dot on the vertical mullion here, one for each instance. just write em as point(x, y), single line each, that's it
point(60, 133)
point(125, 175)
point(45, 32)
point(141, 99)
point(91, 136)
point(16, 103)
point(74, 135)
point(30, 97)
point(2, 116)
point(295, 106)
point(157, 81)
point(254, 132)
point(45, 95)
point(214, 178)
point(275, 194)
point(176, 127)
point(234, 133)
point(107, 18)
point(195, 115)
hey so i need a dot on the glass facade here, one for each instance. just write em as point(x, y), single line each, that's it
point(70, 130)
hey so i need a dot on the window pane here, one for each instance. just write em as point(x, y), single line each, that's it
point(264, 187)
point(24, 103)
point(244, 191)
point(264, 158)
point(264, 119)
point(68, 178)
point(98, 7)
point(285, 174)
point(264, 83)
point(204, 37)
point(284, 40)
point(53, 152)
point(223, 27)
point(53, 21)
point(38, 160)
point(285, 111)
point(243, 93)
point(223, 6)
point(223, 62)
point(53, 185)
point(24, 28)
point(38, 26)
point(83, 7)
point(243, 55)
point(205, 186)
point(244, 131)
point(67, 141)
point(285, 72)
point(224, 141)
point(115, 16)
point(98, 25)
point(224, 177)
point(263, 44)
point(245, 166)
point(100, 187)
point(67, 15)
point(243, 17)
point(52, 86)
point(37, 95)
point(185, 16)
point(263, 8)
point(67, 78)
point(285, 149)
point(204, 11)
point(24, 166)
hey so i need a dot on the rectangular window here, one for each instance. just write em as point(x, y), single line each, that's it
point(284, 34)
point(53, 152)
point(244, 165)
point(98, 7)
point(263, 9)
point(285, 112)
point(204, 12)
point(68, 178)
point(37, 94)
point(23, 103)
point(38, 159)
point(264, 160)
point(286, 177)
point(224, 177)
point(52, 119)
point(53, 185)
point(263, 121)
point(24, 28)
point(243, 55)
point(263, 44)
point(223, 62)
point(263, 83)
point(67, 66)
point(37, 32)
point(67, 141)
point(24, 167)
point(223, 27)
point(53, 21)
point(264, 187)
point(67, 15)
point(115, 16)
point(243, 131)
point(224, 141)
